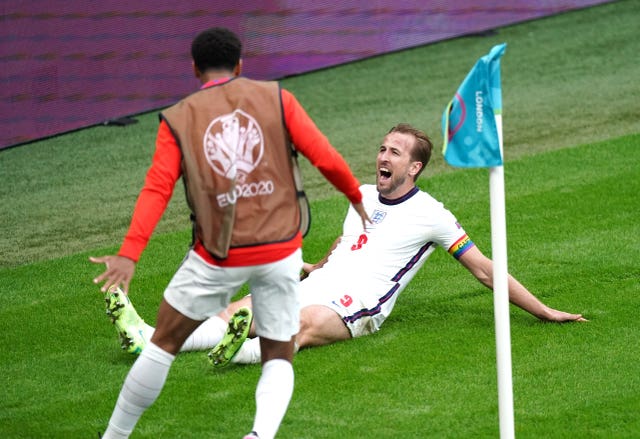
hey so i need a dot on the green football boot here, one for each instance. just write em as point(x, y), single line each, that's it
point(237, 332)
point(133, 332)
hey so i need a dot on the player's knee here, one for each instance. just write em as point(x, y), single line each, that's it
point(305, 334)
point(320, 325)
point(307, 319)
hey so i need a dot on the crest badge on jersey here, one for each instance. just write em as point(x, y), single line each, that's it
point(377, 216)
point(234, 145)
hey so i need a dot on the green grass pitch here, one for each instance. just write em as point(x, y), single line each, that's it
point(571, 106)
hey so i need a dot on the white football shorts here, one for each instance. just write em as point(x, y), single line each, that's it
point(199, 290)
point(362, 305)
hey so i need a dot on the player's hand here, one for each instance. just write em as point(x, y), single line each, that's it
point(553, 315)
point(359, 207)
point(306, 269)
point(119, 271)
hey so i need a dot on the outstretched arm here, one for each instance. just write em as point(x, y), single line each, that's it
point(151, 204)
point(482, 268)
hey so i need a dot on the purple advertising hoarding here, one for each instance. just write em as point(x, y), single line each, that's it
point(68, 65)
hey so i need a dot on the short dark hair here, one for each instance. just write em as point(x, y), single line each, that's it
point(422, 147)
point(216, 48)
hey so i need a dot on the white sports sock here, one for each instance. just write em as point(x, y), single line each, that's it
point(147, 331)
point(206, 336)
point(249, 352)
point(273, 394)
point(140, 389)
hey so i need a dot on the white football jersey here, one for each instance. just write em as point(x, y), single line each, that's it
point(368, 270)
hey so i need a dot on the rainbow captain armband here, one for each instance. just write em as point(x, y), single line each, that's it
point(461, 246)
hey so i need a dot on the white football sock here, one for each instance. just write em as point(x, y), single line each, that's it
point(273, 394)
point(140, 389)
point(147, 331)
point(249, 353)
point(206, 336)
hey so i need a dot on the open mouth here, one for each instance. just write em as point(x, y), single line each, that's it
point(384, 173)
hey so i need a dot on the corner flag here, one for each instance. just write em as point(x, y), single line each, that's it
point(472, 131)
point(468, 123)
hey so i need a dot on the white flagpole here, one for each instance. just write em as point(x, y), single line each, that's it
point(501, 294)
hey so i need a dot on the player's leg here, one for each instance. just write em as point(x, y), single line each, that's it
point(320, 325)
point(148, 374)
point(134, 333)
point(333, 310)
point(132, 330)
point(172, 329)
point(249, 352)
point(197, 291)
point(213, 330)
point(276, 350)
point(275, 386)
point(244, 302)
point(236, 333)
point(277, 319)
point(208, 334)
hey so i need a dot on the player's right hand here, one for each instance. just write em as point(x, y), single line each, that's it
point(118, 273)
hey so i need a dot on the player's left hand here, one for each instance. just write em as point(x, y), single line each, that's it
point(553, 315)
point(306, 269)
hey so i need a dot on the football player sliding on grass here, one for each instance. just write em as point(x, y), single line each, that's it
point(352, 290)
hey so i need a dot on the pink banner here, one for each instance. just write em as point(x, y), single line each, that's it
point(68, 65)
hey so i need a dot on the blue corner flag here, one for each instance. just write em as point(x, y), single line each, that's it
point(468, 123)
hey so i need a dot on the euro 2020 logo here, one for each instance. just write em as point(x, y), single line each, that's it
point(233, 145)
